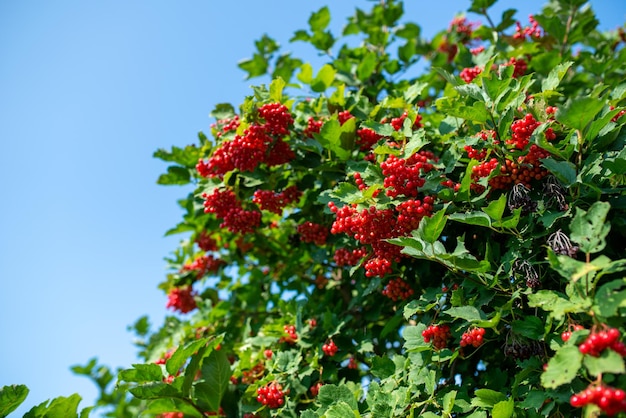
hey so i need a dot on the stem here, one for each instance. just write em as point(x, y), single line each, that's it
point(568, 27)
point(484, 12)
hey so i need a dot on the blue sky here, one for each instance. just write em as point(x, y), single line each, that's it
point(88, 91)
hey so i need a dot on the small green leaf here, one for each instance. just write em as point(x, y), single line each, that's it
point(319, 20)
point(503, 409)
point(530, 327)
point(556, 75)
point(65, 407)
point(589, 229)
point(469, 313)
point(330, 137)
point(413, 338)
point(339, 410)
point(608, 300)
point(323, 79)
point(608, 362)
point(430, 228)
point(487, 397)
point(367, 66)
point(141, 373)
point(471, 218)
point(175, 175)
point(495, 208)
point(276, 89)
point(11, 397)
point(331, 394)
point(565, 171)
point(383, 367)
point(562, 368)
point(306, 73)
point(155, 390)
point(556, 304)
point(448, 402)
point(215, 377)
point(182, 354)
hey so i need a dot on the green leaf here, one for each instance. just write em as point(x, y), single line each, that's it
point(11, 397)
point(255, 66)
point(608, 362)
point(323, 79)
point(448, 402)
point(182, 354)
point(487, 398)
point(61, 407)
point(155, 390)
point(223, 111)
point(554, 303)
point(469, 313)
point(276, 89)
point(383, 367)
point(430, 228)
point(367, 66)
point(319, 20)
point(565, 171)
point(339, 410)
point(579, 112)
point(503, 409)
point(330, 137)
point(562, 368)
point(530, 327)
point(306, 73)
point(472, 218)
point(495, 208)
point(589, 229)
point(556, 75)
point(175, 175)
point(481, 6)
point(413, 338)
point(141, 373)
point(608, 300)
point(332, 394)
point(191, 371)
point(215, 377)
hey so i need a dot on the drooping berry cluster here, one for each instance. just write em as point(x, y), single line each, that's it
point(398, 122)
point(204, 265)
point(599, 341)
point(367, 138)
point(473, 337)
point(344, 257)
point(609, 399)
point(271, 395)
point(397, 289)
point(275, 202)
point(225, 206)
point(533, 31)
point(438, 334)
point(277, 118)
point(329, 348)
point(313, 127)
point(410, 214)
point(181, 299)
point(291, 337)
point(312, 232)
point(522, 130)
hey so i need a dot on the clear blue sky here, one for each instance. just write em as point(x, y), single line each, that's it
point(88, 90)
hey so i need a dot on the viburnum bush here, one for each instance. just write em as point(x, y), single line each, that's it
point(365, 242)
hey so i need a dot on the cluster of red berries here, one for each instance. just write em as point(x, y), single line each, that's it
point(566, 335)
point(404, 176)
point(470, 73)
point(462, 27)
point(398, 122)
point(275, 202)
point(532, 31)
point(345, 257)
point(315, 389)
point(411, 212)
point(367, 138)
point(250, 376)
point(329, 348)
point(313, 126)
point(226, 125)
point(397, 289)
point(291, 337)
point(344, 116)
point(206, 242)
point(438, 334)
point(597, 342)
point(473, 337)
point(181, 299)
point(225, 206)
point(607, 398)
point(203, 265)
point(522, 130)
point(477, 50)
point(619, 114)
point(277, 118)
point(312, 232)
point(352, 364)
point(271, 395)
point(165, 357)
point(475, 154)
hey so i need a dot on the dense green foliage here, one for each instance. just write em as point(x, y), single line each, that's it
point(367, 242)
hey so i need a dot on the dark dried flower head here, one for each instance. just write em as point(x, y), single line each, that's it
point(561, 244)
point(528, 272)
point(555, 193)
point(519, 197)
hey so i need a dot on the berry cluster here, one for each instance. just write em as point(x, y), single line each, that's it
point(315, 389)
point(352, 364)
point(397, 289)
point(398, 122)
point(597, 342)
point(522, 130)
point(206, 242)
point(275, 202)
point(438, 334)
point(462, 27)
point(367, 138)
point(271, 395)
point(520, 350)
point(404, 176)
point(344, 116)
point(470, 73)
point(312, 232)
point(411, 212)
point(250, 376)
point(225, 125)
point(181, 299)
point(565, 336)
point(473, 337)
point(345, 257)
point(203, 265)
point(609, 399)
point(277, 118)
point(532, 31)
point(377, 267)
point(312, 127)
point(224, 205)
point(291, 337)
point(329, 348)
